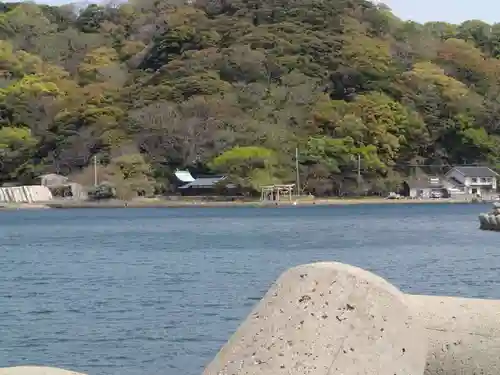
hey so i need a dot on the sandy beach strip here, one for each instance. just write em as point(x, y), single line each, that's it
point(164, 203)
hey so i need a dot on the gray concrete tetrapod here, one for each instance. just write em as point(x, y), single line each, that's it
point(325, 319)
point(36, 370)
point(463, 334)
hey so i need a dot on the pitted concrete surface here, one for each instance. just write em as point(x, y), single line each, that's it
point(325, 319)
point(463, 334)
point(36, 370)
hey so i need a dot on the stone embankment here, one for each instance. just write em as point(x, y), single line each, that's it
point(332, 318)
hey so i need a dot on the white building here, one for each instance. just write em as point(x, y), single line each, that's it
point(480, 181)
point(426, 187)
point(61, 187)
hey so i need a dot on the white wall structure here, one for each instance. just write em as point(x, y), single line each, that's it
point(25, 194)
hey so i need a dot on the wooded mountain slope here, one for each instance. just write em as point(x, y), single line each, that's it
point(234, 86)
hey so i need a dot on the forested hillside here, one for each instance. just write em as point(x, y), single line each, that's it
point(235, 86)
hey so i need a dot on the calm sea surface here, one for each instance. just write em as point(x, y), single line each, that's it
point(158, 291)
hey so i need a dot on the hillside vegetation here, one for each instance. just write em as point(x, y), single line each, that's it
point(235, 86)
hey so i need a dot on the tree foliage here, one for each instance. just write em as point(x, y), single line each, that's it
point(235, 87)
point(251, 167)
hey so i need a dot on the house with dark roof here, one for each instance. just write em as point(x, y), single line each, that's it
point(203, 186)
point(474, 180)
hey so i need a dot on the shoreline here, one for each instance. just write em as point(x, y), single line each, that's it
point(162, 203)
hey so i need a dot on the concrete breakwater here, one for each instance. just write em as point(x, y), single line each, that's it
point(331, 318)
point(491, 220)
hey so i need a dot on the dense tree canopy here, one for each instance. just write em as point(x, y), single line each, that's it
point(236, 86)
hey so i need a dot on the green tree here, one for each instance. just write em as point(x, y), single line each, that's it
point(17, 146)
point(249, 167)
point(131, 176)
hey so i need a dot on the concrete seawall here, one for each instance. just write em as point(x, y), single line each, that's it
point(331, 318)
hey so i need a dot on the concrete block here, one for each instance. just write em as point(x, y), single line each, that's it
point(325, 319)
point(463, 334)
point(36, 370)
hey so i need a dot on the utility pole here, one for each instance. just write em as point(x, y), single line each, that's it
point(297, 170)
point(95, 170)
point(359, 171)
